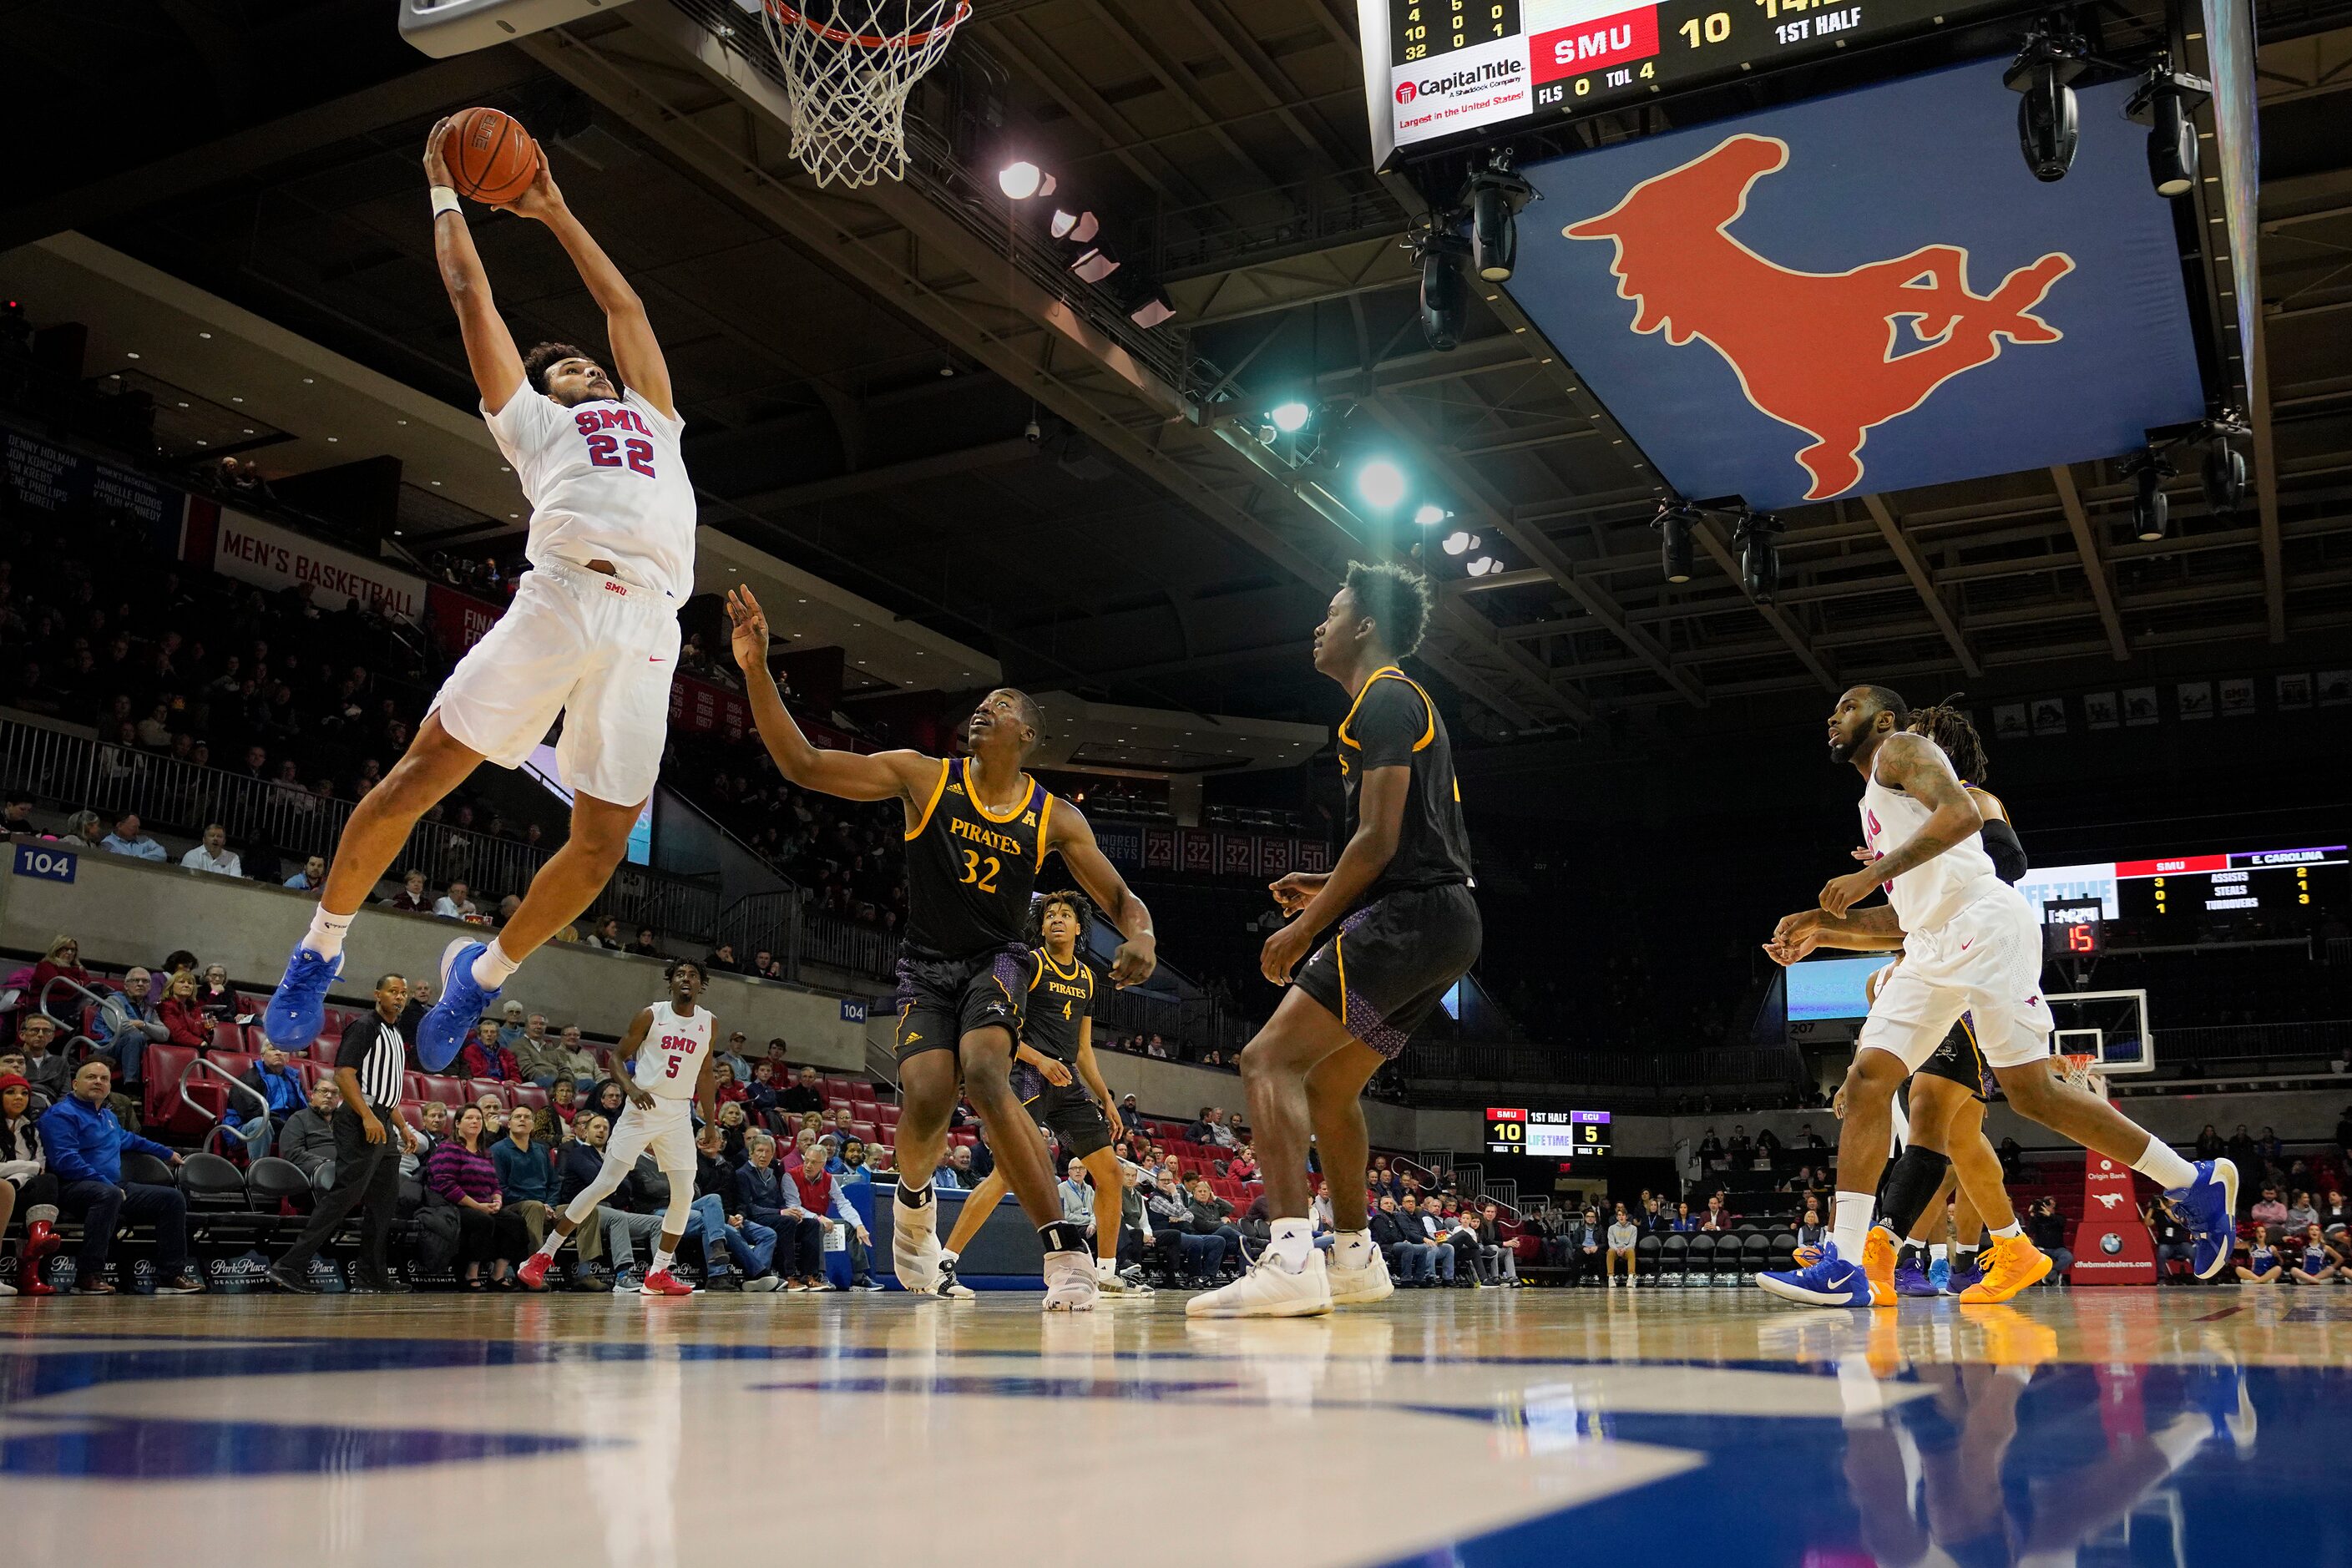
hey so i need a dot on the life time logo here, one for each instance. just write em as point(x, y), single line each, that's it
point(1491, 73)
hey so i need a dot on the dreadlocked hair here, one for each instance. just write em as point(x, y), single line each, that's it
point(1946, 725)
point(1080, 906)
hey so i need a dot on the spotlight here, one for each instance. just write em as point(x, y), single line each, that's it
point(1674, 524)
point(2224, 475)
point(1153, 309)
point(1380, 483)
point(1483, 565)
point(1444, 296)
point(2150, 511)
point(1430, 514)
point(1023, 180)
point(1759, 557)
point(1459, 540)
point(2048, 125)
point(1291, 417)
point(1496, 196)
point(2165, 104)
point(1079, 227)
point(1095, 264)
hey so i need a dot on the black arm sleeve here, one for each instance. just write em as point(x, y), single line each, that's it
point(2007, 851)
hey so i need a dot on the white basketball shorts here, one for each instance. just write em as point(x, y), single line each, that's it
point(667, 1130)
point(1986, 961)
point(597, 650)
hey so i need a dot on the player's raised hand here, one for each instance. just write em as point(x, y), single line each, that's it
point(1136, 957)
point(541, 200)
point(750, 623)
point(1291, 893)
point(436, 165)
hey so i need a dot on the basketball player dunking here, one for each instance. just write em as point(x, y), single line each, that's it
point(1407, 929)
point(977, 834)
point(592, 633)
point(1970, 944)
point(673, 1037)
point(1061, 1087)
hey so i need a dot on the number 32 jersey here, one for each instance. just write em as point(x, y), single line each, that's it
point(969, 870)
point(669, 1062)
point(606, 481)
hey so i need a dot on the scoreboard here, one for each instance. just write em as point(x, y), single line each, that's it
point(1547, 1134)
point(1436, 69)
point(2274, 881)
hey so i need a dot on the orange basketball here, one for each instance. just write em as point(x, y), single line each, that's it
point(491, 158)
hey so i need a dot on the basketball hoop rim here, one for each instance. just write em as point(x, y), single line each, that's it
point(791, 16)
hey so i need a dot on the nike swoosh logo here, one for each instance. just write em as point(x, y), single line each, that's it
point(1967, 944)
point(656, 661)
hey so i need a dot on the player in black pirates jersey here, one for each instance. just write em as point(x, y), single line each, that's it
point(977, 833)
point(1403, 928)
point(1056, 1075)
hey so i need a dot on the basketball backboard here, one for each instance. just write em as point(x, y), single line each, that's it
point(2109, 1026)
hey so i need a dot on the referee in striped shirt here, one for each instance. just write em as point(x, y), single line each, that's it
point(368, 1135)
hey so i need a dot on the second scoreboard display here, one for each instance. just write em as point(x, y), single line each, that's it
point(1547, 1134)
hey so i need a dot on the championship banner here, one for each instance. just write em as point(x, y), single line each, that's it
point(1237, 854)
point(1273, 856)
point(268, 556)
point(701, 707)
point(458, 620)
point(1160, 849)
point(2111, 1246)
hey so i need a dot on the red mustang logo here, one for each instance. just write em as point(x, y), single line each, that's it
point(1816, 351)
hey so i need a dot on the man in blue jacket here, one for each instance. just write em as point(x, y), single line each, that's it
point(85, 1145)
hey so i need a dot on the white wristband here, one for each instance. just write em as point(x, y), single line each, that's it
point(445, 200)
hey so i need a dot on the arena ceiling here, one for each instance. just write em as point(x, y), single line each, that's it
point(860, 372)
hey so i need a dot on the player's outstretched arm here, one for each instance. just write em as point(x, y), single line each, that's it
point(636, 354)
point(490, 350)
point(1916, 766)
point(1380, 823)
point(624, 1057)
point(1138, 954)
point(852, 775)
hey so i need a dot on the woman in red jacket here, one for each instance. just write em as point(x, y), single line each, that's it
point(183, 1013)
point(64, 958)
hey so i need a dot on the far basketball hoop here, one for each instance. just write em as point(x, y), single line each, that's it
point(848, 66)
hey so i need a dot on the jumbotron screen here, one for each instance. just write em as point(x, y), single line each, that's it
point(2276, 881)
point(1548, 1134)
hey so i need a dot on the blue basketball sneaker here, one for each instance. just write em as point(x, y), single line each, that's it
point(1910, 1279)
point(2210, 1203)
point(441, 1032)
point(1963, 1277)
point(1829, 1281)
point(298, 1008)
point(1939, 1274)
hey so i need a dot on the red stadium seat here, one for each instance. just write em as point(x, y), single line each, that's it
point(448, 1090)
point(234, 1063)
point(308, 1070)
point(864, 1131)
point(413, 1088)
point(165, 1111)
point(478, 1087)
point(528, 1094)
point(887, 1117)
point(229, 1037)
point(861, 1093)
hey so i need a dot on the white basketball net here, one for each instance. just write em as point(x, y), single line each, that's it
point(848, 66)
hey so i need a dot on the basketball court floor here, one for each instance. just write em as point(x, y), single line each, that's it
point(2136, 1427)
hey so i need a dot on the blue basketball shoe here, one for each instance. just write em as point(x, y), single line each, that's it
point(441, 1032)
point(1940, 1273)
point(2210, 1203)
point(1829, 1281)
point(298, 1008)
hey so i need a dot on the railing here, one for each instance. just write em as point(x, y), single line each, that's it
point(1462, 1062)
point(1315, 212)
point(111, 780)
point(261, 1126)
point(2329, 1038)
point(784, 925)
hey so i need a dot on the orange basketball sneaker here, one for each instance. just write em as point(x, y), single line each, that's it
point(1878, 1266)
point(2010, 1263)
point(662, 1282)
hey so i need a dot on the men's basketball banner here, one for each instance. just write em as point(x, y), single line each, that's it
point(701, 707)
point(268, 556)
point(456, 620)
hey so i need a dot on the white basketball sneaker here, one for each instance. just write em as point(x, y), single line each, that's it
point(915, 1245)
point(1361, 1287)
point(1268, 1290)
point(1070, 1282)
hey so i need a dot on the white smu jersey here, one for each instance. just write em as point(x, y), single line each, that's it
point(1925, 896)
point(606, 481)
point(669, 1062)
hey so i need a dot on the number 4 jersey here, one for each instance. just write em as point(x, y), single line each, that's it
point(669, 1062)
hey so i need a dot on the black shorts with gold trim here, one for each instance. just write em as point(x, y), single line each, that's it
point(1066, 1109)
point(1390, 963)
point(1958, 1059)
point(941, 999)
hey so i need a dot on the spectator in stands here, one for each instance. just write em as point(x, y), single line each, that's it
point(2301, 1214)
point(24, 1178)
point(494, 1115)
point(2313, 1259)
point(1811, 1138)
point(2269, 1147)
point(721, 959)
point(803, 1094)
point(1496, 1257)
point(456, 904)
point(2262, 1265)
point(82, 830)
point(131, 1024)
point(84, 1144)
point(577, 1163)
point(484, 1057)
point(2047, 1226)
point(307, 1141)
point(1411, 1259)
point(16, 815)
point(2209, 1143)
point(1213, 1215)
point(2241, 1147)
point(562, 1105)
point(608, 934)
point(62, 962)
point(1710, 1152)
point(608, 1100)
point(1717, 1218)
point(1810, 1232)
point(128, 840)
point(413, 899)
point(182, 1016)
point(526, 1171)
point(1739, 1148)
point(459, 1171)
point(217, 998)
point(644, 946)
point(734, 1124)
point(729, 1235)
point(576, 1061)
point(1621, 1237)
point(311, 877)
point(2169, 1230)
point(2334, 1217)
point(1158, 1047)
point(2268, 1209)
point(213, 854)
point(46, 1069)
point(512, 1026)
point(1381, 1179)
point(537, 1052)
point(1203, 1128)
point(760, 1094)
point(1077, 1197)
point(1684, 1221)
